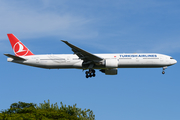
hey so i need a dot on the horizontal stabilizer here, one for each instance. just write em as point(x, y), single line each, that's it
point(14, 57)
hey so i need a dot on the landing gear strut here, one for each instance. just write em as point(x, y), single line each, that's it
point(90, 73)
point(163, 72)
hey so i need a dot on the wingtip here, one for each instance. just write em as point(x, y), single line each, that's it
point(5, 54)
point(64, 41)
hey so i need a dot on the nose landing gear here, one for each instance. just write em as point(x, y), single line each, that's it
point(90, 73)
point(163, 72)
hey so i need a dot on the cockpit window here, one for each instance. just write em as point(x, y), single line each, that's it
point(171, 58)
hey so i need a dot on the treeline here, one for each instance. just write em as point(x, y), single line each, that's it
point(45, 111)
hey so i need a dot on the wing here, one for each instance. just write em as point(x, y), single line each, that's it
point(82, 54)
point(14, 57)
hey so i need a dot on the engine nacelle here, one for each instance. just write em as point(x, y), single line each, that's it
point(111, 63)
point(112, 71)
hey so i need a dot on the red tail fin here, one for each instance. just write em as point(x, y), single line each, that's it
point(18, 47)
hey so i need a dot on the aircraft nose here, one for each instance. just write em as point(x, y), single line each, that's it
point(174, 61)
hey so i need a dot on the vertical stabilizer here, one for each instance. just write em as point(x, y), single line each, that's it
point(18, 47)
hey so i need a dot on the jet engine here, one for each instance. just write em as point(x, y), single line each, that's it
point(111, 63)
point(112, 71)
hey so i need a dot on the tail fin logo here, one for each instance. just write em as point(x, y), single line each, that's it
point(20, 49)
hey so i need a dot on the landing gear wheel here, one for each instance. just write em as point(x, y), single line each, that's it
point(93, 71)
point(164, 69)
point(90, 73)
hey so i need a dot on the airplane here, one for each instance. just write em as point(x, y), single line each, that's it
point(81, 59)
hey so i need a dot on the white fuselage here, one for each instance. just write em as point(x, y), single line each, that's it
point(134, 60)
point(81, 59)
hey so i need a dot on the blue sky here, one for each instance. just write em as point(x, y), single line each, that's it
point(98, 26)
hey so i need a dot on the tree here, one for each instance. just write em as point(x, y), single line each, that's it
point(45, 111)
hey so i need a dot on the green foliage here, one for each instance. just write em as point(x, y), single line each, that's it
point(45, 111)
point(82, 114)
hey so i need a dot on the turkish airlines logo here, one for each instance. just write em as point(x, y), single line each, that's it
point(20, 49)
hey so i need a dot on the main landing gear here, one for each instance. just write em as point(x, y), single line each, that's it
point(90, 73)
point(163, 72)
